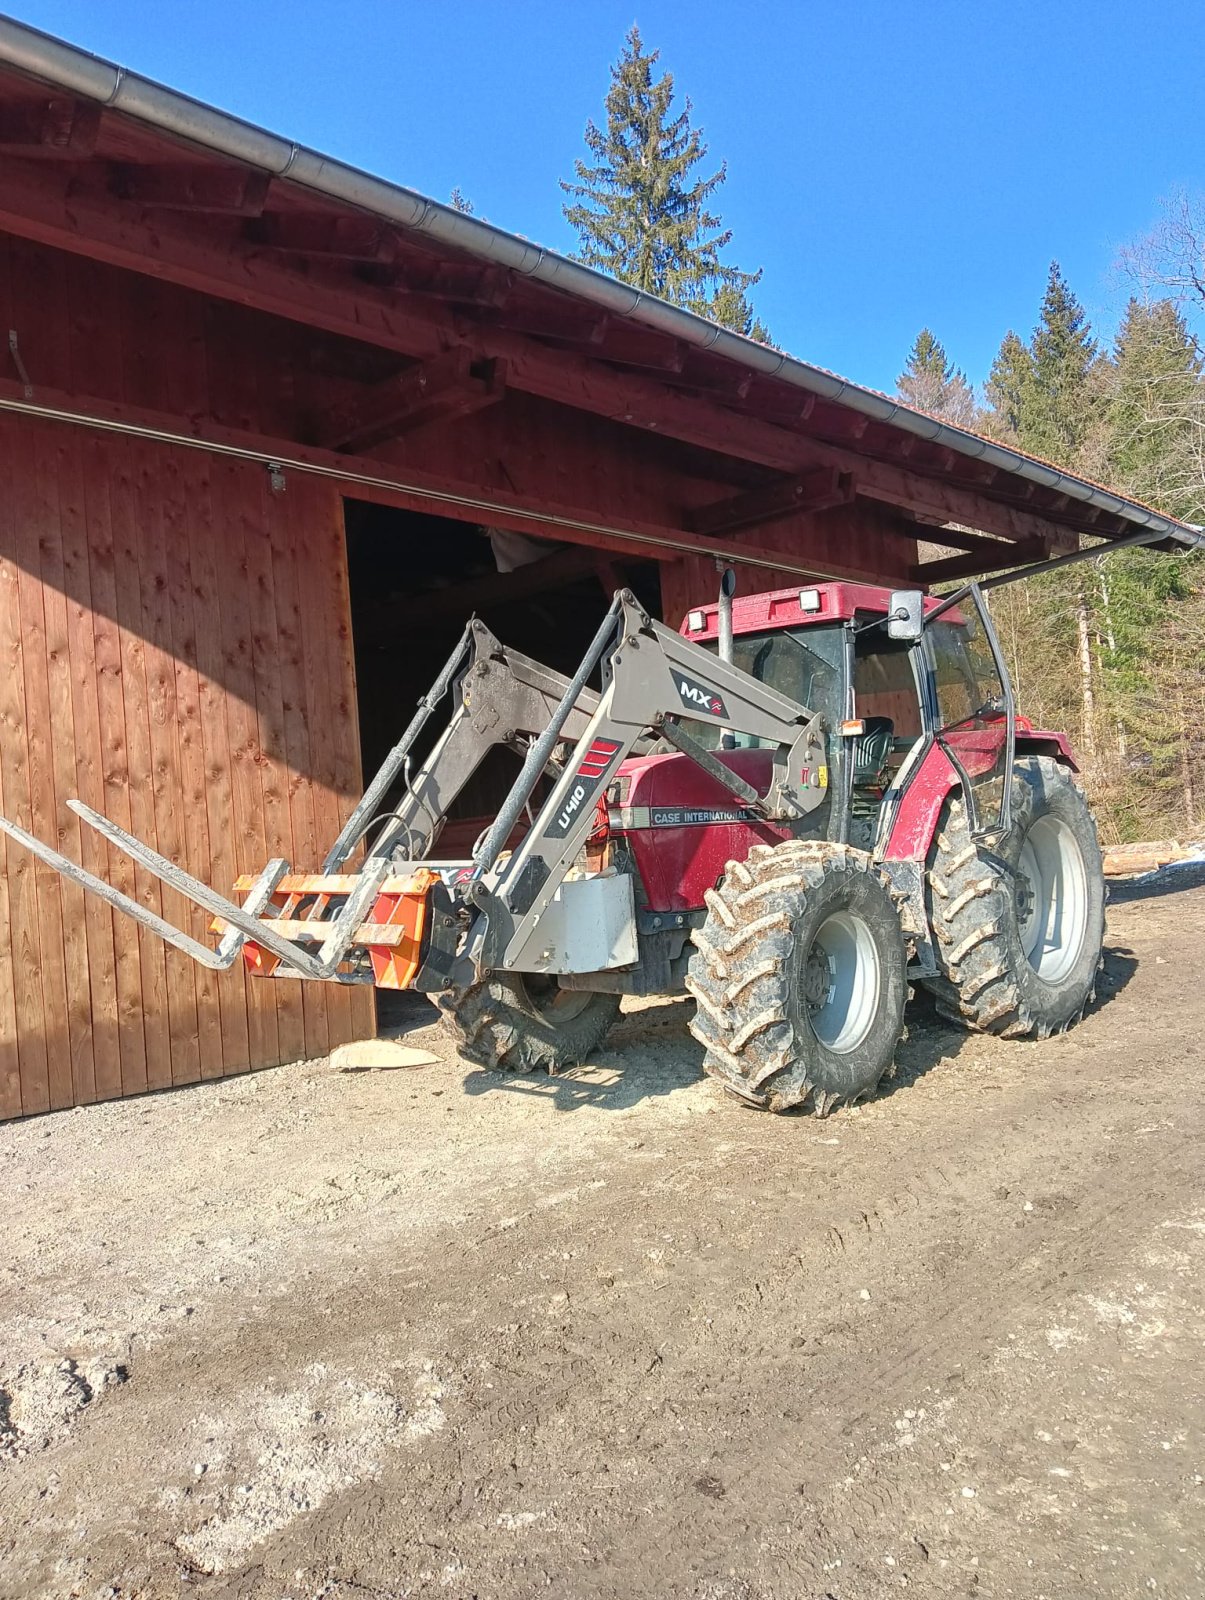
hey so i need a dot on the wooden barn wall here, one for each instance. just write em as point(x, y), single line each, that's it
point(175, 650)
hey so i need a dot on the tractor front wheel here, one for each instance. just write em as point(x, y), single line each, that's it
point(521, 1022)
point(799, 976)
point(1018, 928)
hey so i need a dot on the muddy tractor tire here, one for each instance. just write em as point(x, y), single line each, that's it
point(799, 977)
point(522, 1023)
point(1018, 926)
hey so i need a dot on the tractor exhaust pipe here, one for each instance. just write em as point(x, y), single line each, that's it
point(724, 610)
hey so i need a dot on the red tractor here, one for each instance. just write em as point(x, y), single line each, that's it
point(793, 807)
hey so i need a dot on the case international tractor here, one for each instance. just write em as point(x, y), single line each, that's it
point(797, 806)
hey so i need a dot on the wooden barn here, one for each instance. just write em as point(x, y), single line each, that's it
point(270, 429)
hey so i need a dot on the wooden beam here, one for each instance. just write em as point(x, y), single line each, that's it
point(180, 254)
point(970, 566)
point(818, 490)
point(459, 283)
point(62, 130)
point(438, 390)
point(344, 238)
point(180, 186)
point(960, 539)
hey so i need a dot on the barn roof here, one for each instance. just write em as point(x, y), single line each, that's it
point(572, 305)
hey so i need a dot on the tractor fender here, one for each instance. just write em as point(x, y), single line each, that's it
point(921, 803)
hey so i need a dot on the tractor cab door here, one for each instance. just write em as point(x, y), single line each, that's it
point(972, 708)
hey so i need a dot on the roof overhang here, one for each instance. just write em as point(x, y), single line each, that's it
point(243, 194)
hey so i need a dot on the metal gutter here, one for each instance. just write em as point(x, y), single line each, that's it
point(63, 65)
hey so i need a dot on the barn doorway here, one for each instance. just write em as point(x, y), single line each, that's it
point(415, 578)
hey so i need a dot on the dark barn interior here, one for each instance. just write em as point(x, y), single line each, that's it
point(414, 580)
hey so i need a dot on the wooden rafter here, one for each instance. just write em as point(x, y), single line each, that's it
point(439, 390)
point(967, 566)
point(346, 238)
point(54, 130)
point(181, 186)
point(817, 490)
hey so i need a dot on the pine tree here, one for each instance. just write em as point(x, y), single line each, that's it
point(1057, 402)
point(931, 382)
point(641, 210)
point(1007, 387)
point(730, 307)
point(1154, 424)
point(1155, 414)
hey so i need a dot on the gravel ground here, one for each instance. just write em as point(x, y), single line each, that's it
point(436, 1332)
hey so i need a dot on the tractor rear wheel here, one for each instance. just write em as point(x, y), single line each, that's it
point(799, 975)
point(522, 1022)
point(1018, 928)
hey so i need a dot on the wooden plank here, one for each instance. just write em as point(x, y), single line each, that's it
point(164, 523)
point(209, 558)
point(330, 692)
point(125, 459)
point(380, 933)
point(290, 641)
point(24, 1082)
point(263, 507)
point(249, 843)
point(194, 527)
point(114, 801)
point(28, 531)
point(78, 773)
point(337, 883)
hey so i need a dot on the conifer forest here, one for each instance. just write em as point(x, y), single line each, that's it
point(1111, 651)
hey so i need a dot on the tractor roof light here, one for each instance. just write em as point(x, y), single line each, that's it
point(810, 600)
point(696, 622)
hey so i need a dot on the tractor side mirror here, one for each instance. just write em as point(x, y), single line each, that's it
point(906, 616)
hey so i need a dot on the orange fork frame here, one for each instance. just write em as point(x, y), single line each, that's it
point(392, 936)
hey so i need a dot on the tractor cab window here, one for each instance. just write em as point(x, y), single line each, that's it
point(975, 722)
point(805, 664)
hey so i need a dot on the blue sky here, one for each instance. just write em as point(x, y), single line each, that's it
point(890, 165)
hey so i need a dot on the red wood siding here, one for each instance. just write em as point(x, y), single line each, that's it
point(174, 649)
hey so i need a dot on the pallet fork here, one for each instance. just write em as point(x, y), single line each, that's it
point(401, 919)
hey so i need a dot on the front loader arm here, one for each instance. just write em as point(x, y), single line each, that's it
point(651, 675)
point(503, 698)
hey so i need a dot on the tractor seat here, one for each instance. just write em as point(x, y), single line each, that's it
point(872, 751)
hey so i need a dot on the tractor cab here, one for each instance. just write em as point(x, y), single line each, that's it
point(894, 674)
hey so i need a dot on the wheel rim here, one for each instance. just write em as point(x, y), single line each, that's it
point(548, 1001)
point(1052, 899)
point(841, 982)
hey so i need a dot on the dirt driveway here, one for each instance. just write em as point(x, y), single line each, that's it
point(432, 1332)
